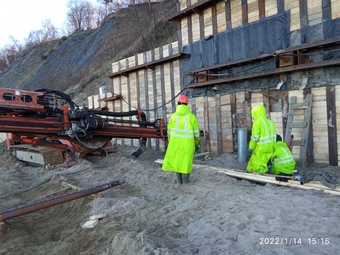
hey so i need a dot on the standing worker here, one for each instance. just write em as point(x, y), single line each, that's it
point(283, 162)
point(184, 139)
point(262, 140)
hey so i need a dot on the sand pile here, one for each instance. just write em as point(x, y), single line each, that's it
point(151, 214)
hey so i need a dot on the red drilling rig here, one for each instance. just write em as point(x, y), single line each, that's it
point(46, 127)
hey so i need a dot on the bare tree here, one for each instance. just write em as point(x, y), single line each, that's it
point(7, 56)
point(113, 5)
point(116, 5)
point(99, 15)
point(34, 38)
point(16, 44)
point(143, 23)
point(3, 60)
point(80, 15)
point(50, 31)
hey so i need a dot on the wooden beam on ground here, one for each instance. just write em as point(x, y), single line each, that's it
point(266, 178)
point(201, 154)
point(272, 180)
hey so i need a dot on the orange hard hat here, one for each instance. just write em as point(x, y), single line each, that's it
point(183, 99)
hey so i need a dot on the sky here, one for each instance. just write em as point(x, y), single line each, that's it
point(19, 17)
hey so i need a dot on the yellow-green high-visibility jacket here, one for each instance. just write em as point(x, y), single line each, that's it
point(183, 136)
point(263, 137)
point(282, 159)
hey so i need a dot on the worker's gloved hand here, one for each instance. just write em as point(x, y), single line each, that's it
point(197, 149)
point(250, 151)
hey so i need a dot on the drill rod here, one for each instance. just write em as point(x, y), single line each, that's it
point(33, 207)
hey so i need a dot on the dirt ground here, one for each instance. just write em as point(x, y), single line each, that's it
point(151, 214)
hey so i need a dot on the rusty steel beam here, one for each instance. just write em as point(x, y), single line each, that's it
point(29, 208)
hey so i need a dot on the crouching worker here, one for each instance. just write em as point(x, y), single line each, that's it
point(183, 138)
point(283, 162)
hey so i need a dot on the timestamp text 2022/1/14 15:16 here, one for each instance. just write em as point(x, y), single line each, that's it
point(294, 240)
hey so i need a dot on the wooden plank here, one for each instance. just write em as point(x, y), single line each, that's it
point(206, 123)
point(184, 32)
point(290, 118)
point(270, 179)
point(244, 12)
point(189, 22)
point(228, 15)
point(272, 7)
point(266, 178)
point(293, 6)
point(335, 9)
point(207, 22)
point(179, 34)
point(262, 11)
point(253, 10)
point(233, 119)
point(219, 126)
point(195, 20)
point(201, 22)
point(235, 13)
point(212, 122)
point(248, 99)
point(284, 113)
point(266, 102)
point(183, 5)
point(305, 132)
point(298, 142)
point(201, 154)
point(332, 127)
point(214, 19)
point(221, 17)
point(302, 105)
point(309, 138)
point(302, 124)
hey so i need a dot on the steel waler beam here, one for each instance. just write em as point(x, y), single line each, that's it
point(28, 208)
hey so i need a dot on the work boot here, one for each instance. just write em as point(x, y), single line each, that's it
point(179, 178)
point(185, 178)
point(270, 168)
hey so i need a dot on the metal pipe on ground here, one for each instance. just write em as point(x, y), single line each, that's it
point(29, 208)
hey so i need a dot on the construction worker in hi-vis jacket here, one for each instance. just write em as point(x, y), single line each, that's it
point(262, 140)
point(184, 139)
point(283, 161)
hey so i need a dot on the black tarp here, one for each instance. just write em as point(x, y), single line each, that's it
point(247, 41)
point(264, 36)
